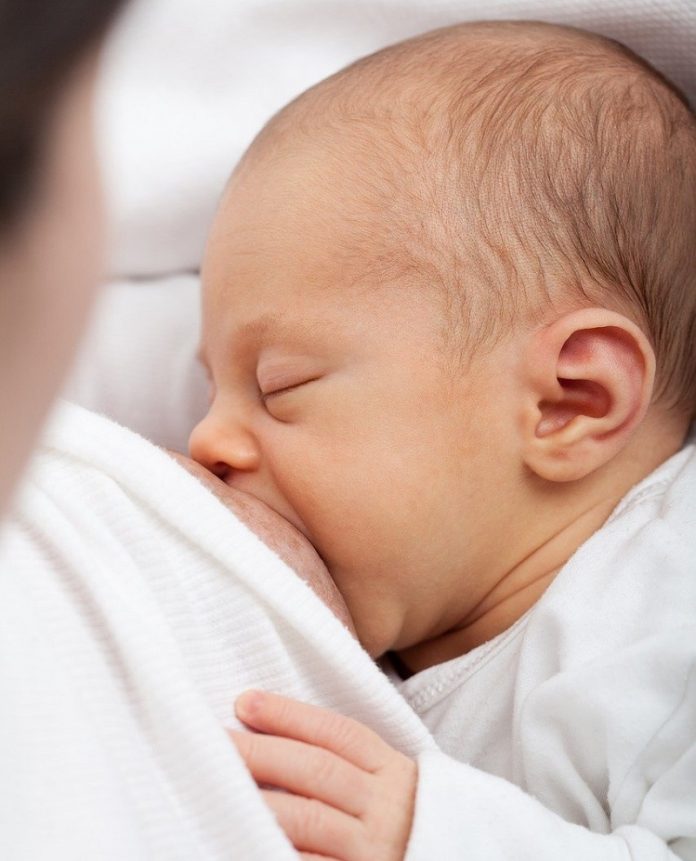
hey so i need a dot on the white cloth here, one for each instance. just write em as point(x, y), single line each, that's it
point(587, 703)
point(135, 608)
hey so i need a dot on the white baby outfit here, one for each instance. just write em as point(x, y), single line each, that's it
point(587, 703)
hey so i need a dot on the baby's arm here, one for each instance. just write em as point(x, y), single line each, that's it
point(349, 797)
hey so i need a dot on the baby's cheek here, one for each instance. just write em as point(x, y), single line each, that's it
point(361, 535)
point(355, 498)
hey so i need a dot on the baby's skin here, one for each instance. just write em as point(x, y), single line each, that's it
point(442, 491)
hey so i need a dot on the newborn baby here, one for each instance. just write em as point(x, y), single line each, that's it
point(449, 317)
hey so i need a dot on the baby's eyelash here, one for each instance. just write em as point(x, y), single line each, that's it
point(266, 395)
point(285, 389)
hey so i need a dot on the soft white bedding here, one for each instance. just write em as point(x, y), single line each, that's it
point(138, 360)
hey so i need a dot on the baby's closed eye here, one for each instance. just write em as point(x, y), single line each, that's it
point(280, 377)
point(276, 389)
point(278, 383)
point(283, 401)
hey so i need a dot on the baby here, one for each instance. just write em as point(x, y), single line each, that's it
point(449, 320)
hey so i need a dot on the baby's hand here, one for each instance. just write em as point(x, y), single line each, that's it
point(349, 795)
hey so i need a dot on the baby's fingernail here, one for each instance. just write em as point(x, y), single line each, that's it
point(249, 703)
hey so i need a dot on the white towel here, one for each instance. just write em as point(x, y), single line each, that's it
point(135, 608)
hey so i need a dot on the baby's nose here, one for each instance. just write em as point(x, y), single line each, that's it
point(224, 448)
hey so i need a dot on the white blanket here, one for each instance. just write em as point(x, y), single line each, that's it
point(134, 609)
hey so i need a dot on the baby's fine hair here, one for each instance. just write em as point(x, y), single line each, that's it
point(526, 168)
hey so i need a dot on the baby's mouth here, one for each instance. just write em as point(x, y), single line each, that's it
point(280, 529)
point(297, 524)
point(290, 541)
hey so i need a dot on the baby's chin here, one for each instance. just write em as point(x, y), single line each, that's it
point(371, 623)
point(279, 534)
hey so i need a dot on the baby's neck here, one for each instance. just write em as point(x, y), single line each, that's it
point(512, 595)
point(517, 589)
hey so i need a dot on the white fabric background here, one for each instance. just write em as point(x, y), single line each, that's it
point(187, 84)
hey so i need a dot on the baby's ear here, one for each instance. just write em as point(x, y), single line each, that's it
point(589, 380)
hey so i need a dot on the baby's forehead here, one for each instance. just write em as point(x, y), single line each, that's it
point(318, 205)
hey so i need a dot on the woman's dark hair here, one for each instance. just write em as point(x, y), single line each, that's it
point(41, 42)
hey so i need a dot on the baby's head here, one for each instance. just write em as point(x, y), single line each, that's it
point(449, 314)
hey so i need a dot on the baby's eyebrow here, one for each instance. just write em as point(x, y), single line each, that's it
point(278, 326)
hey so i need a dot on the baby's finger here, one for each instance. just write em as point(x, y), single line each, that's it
point(304, 769)
point(348, 738)
point(316, 828)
